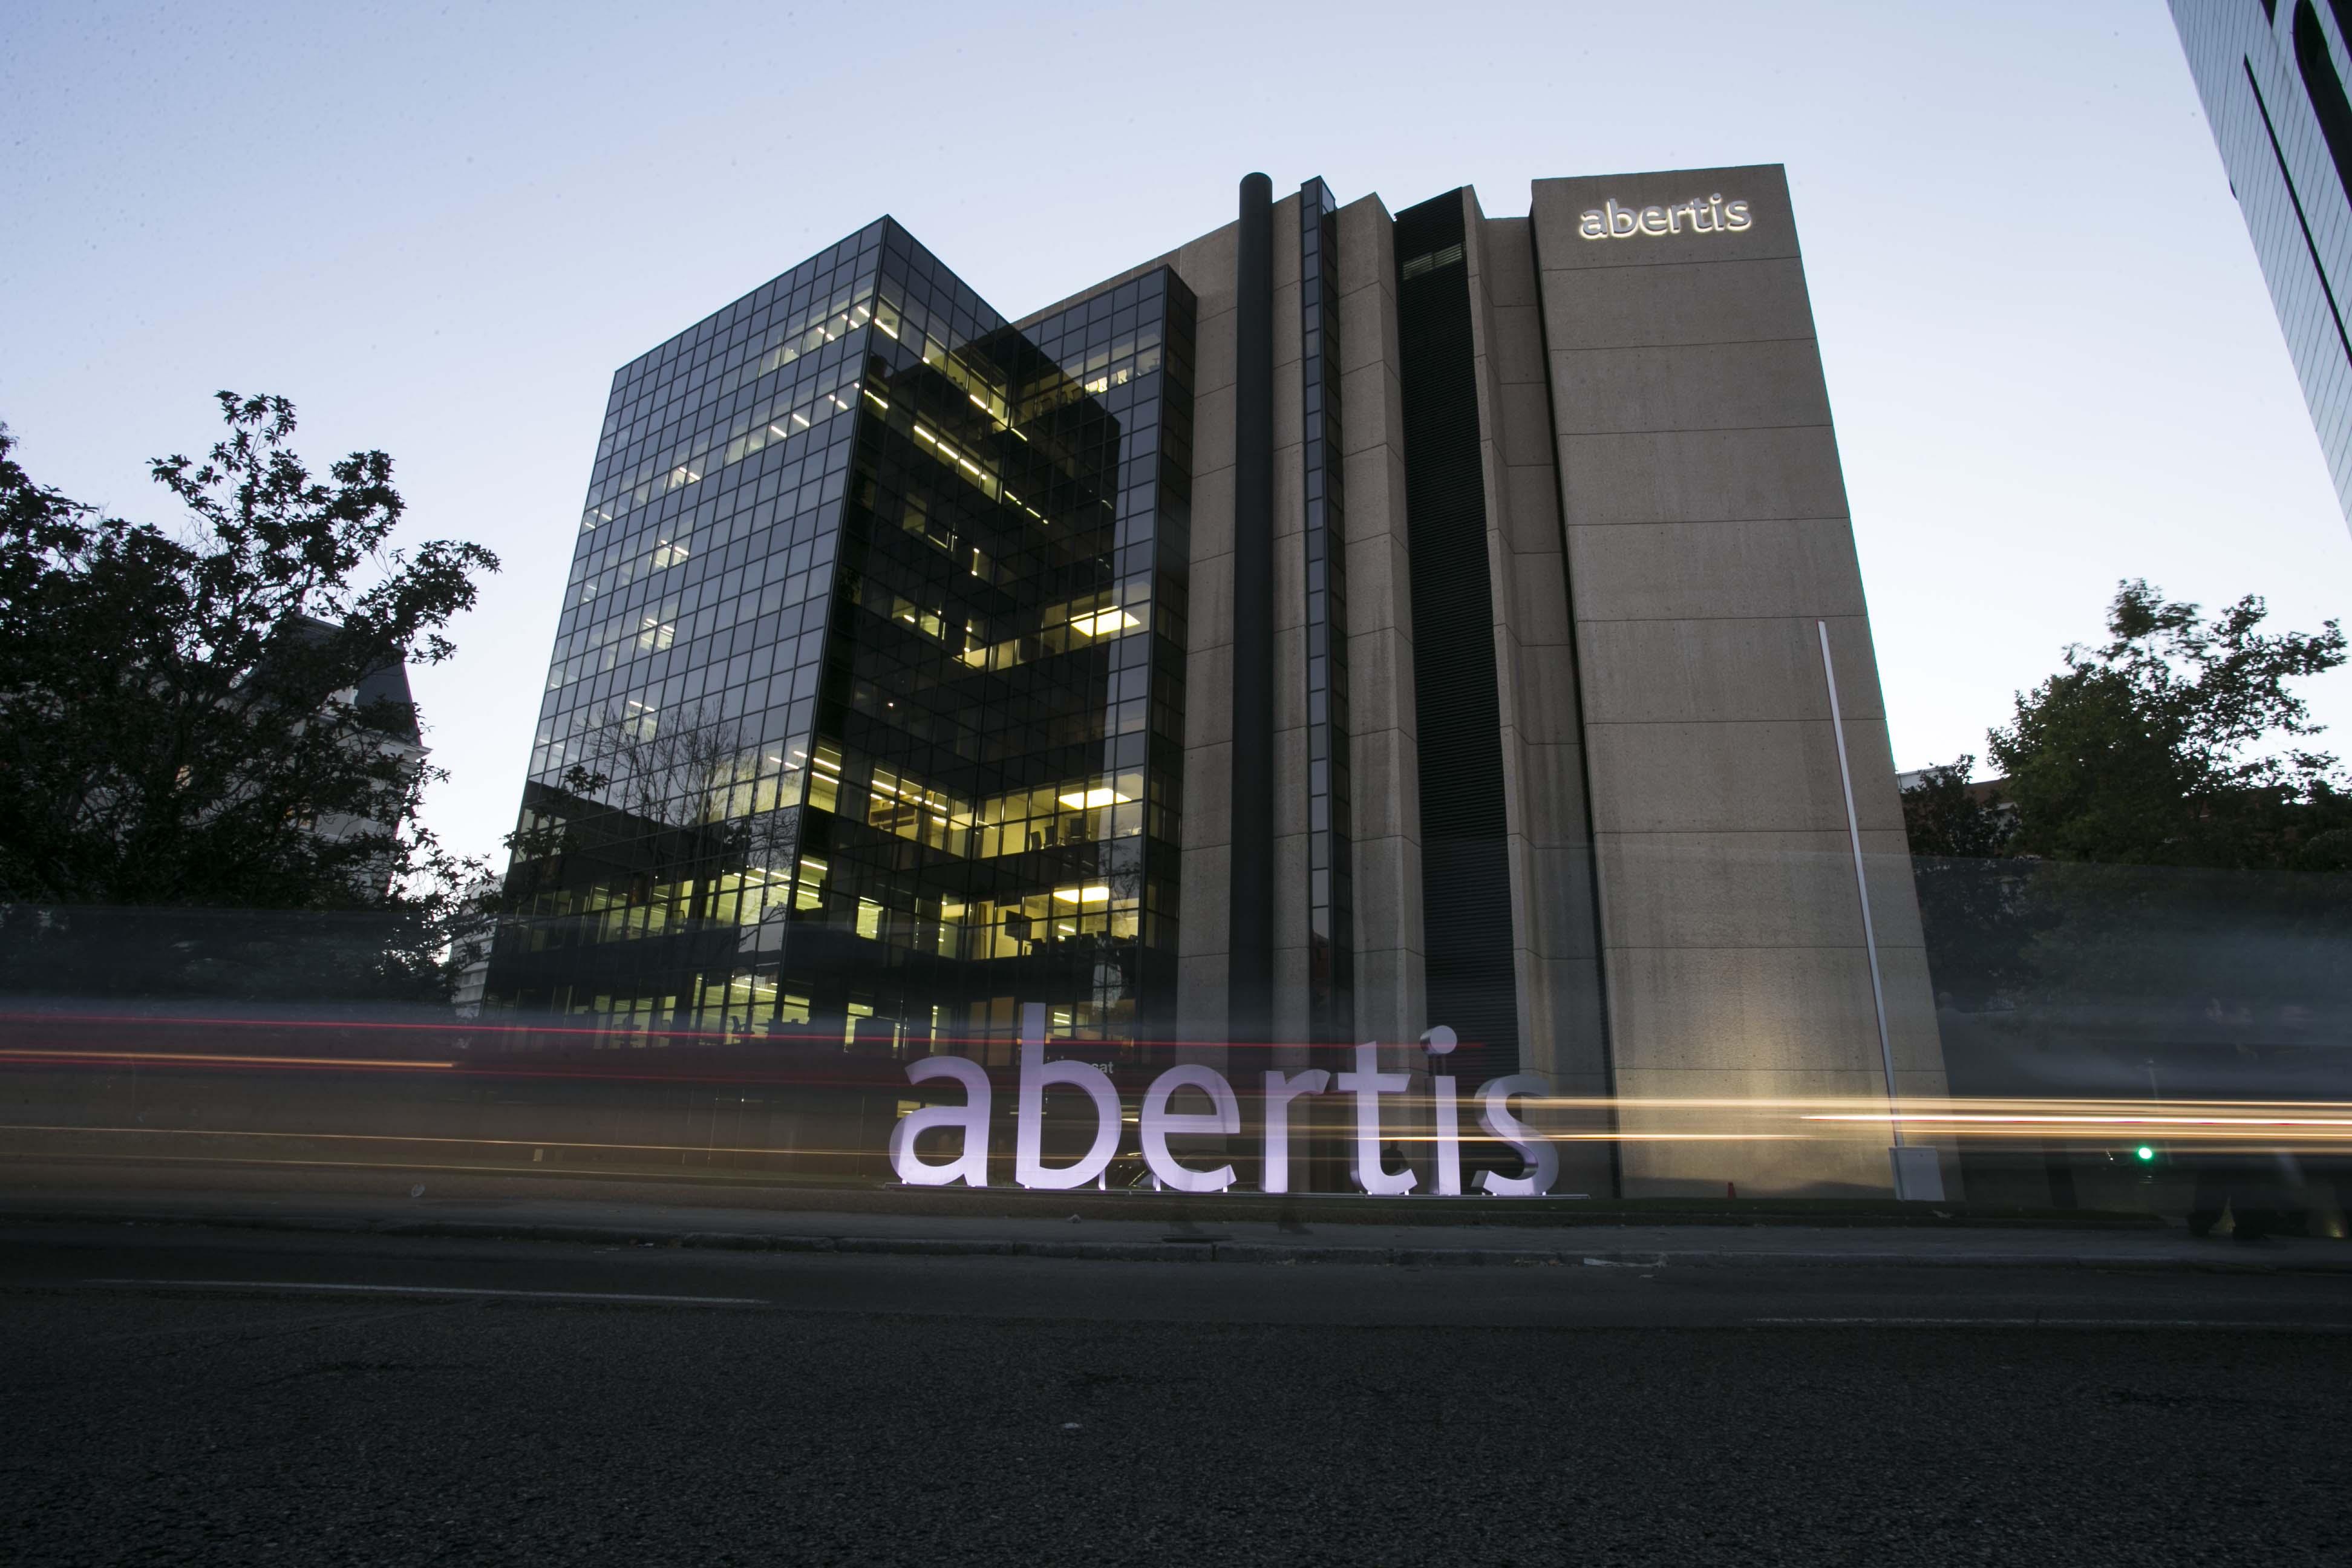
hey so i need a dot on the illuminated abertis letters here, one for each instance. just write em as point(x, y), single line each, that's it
point(1160, 1121)
point(1700, 214)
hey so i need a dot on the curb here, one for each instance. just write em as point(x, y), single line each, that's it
point(1183, 1251)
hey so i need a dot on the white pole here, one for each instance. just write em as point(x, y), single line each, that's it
point(1860, 882)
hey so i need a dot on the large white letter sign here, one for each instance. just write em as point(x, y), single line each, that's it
point(970, 1167)
point(1495, 1116)
point(1368, 1083)
point(1280, 1090)
point(1700, 214)
point(1029, 1166)
point(1159, 1122)
point(1438, 1042)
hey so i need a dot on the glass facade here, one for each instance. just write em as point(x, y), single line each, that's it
point(2272, 80)
point(864, 718)
point(1331, 898)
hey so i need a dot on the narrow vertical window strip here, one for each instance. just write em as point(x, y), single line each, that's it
point(1331, 977)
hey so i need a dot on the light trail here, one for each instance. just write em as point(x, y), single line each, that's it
point(68, 1057)
point(423, 1138)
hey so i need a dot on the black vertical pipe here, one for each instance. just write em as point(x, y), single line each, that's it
point(1250, 977)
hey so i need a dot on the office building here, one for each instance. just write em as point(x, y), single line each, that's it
point(1345, 622)
point(2271, 74)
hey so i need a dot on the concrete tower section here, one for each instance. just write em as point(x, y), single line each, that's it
point(1662, 883)
point(1708, 545)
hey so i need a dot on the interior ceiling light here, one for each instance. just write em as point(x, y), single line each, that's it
point(1081, 800)
point(1104, 622)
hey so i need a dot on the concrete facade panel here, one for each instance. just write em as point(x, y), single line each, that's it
point(1531, 508)
point(1511, 270)
point(1366, 253)
point(1388, 791)
point(1208, 800)
point(1213, 531)
point(1696, 672)
point(1711, 386)
point(1538, 586)
point(1208, 697)
point(1379, 584)
point(1732, 890)
point(1560, 901)
point(1682, 571)
point(1546, 700)
point(1756, 889)
point(1693, 304)
point(1526, 424)
point(1367, 386)
point(1213, 434)
point(1702, 476)
point(1390, 998)
point(1756, 1009)
point(1553, 777)
point(1201, 996)
point(1792, 1159)
point(1742, 778)
point(1518, 345)
point(1202, 905)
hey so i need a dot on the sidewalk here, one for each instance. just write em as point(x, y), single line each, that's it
point(1203, 1238)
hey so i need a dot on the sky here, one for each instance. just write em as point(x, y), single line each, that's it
point(439, 229)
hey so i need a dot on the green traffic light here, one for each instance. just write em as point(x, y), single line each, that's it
point(2145, 1153)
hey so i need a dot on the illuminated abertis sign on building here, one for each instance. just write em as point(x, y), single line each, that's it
point(1700, 214)
point(1160, 1121)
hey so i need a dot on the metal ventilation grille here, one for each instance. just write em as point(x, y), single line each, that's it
point(1465, 871)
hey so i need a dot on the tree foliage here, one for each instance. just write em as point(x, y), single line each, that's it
point(2174, 744)
point(2164, 829)
point(1975, 907)
point(181, 722)
point(1945, 815)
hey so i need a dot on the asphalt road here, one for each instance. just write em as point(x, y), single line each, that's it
point(187, 1395)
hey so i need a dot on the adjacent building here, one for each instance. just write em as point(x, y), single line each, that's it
point(2271, 74)
point(1348, 622)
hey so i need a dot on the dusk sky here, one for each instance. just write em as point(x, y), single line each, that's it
point(439, 229)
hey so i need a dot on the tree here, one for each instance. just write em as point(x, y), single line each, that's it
point(1945, 814)
point(1975, 906)
point(2161, 746)
point(180, 714)
point(2157, 828)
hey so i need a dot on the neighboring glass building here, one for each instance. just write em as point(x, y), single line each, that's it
point(2271, 74)
point(866, 711)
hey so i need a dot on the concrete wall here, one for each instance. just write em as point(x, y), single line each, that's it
point(1707, 532)
point(1557, 952)
point(1384, 760)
